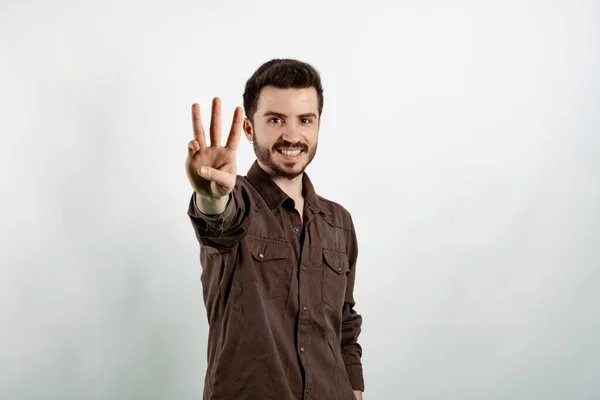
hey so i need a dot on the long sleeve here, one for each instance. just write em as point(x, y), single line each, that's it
point(352, 321)
point(221, 231)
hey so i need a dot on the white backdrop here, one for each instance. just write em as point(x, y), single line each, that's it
point(462, 137)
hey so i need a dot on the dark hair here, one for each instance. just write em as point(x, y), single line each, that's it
point(281, 73)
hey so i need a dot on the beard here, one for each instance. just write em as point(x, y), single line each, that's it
point(289, 169)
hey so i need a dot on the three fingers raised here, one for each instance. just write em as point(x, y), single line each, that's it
point(215, 126)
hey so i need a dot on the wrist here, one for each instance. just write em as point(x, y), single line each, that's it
point(211, 205)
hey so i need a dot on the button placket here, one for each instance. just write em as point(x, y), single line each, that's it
point(303, 292)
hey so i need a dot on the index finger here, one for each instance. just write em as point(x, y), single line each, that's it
point(197, 124)
point(236, 129)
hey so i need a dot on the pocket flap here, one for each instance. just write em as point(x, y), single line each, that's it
point(265, 251)
point(338, 262)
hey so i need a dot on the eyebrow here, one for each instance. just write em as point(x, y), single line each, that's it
point(277, 114)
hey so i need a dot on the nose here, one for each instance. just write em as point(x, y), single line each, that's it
point(292, 133)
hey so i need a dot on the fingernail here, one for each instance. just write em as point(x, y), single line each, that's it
point(203, 170)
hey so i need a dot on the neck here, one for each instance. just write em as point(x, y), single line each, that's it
point(291, 187)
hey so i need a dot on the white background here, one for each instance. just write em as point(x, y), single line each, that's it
point(462, 136)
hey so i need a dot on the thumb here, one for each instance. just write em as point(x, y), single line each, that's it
point(221, 178)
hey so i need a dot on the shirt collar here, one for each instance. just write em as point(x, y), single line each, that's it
point(274, 196)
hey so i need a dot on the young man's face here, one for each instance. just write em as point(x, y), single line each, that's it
point(285, 130)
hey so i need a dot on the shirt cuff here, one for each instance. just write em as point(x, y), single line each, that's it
point(355, 374)
point(213, 221)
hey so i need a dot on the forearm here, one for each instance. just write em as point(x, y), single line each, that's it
point(358, 395)
point(223, 230)
point(210, 205)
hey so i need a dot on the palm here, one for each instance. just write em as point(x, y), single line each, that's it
point(220, 161)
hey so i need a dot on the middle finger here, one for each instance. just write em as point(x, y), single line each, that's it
point(215, 123)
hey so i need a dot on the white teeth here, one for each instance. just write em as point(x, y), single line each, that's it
point(291, 153)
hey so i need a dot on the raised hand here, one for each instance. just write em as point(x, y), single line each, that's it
point(212, 170)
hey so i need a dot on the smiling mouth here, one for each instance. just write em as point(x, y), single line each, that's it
point(290, 153)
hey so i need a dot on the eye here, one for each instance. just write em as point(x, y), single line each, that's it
point(306, 120)
point(275, 120)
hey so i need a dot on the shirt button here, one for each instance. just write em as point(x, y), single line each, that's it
point(301, 349)
point(339, 268)
point(261, 256)
point(303, 268)
point(296, 230)
point(307, 391)
point(305, 308)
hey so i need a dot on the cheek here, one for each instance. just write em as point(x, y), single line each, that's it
point(270, 133)
point(265, 136)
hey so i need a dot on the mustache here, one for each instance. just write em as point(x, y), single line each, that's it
point(287, 145)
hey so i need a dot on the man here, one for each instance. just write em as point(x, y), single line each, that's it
point(278, 261)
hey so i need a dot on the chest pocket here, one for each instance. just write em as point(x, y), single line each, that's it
point(335, 270)
point(271, 261)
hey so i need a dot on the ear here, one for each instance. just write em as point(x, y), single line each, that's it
point(248, 131)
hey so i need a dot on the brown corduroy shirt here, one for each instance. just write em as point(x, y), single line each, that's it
point(278, 292)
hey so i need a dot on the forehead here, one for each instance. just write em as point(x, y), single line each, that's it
point(290, 100)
